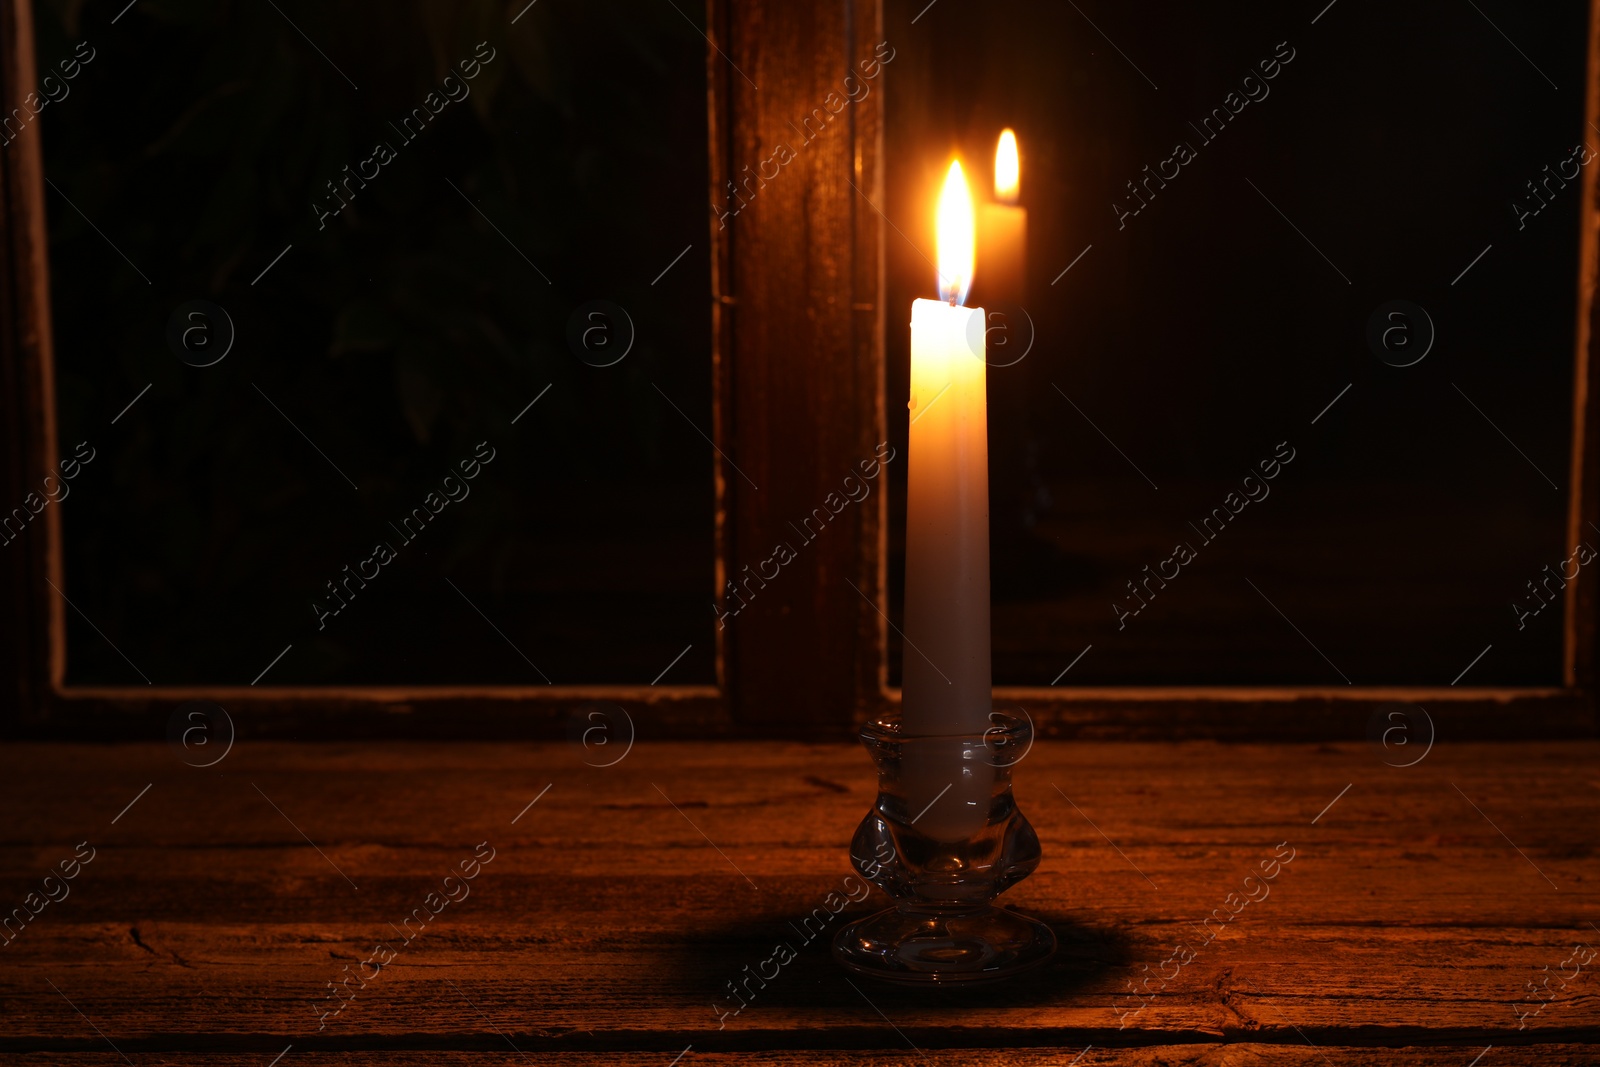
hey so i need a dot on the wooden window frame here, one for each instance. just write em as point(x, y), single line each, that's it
point(798, 352)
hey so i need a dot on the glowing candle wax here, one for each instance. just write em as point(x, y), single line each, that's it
point(946, 661)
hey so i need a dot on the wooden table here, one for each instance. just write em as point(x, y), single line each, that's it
point(219, 906)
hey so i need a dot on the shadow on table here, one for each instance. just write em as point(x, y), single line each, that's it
point(713, 967)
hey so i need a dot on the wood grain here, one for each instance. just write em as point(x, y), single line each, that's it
point(1213, 1055)
point(618, 906)
point(1581, 613)
point(803, 404)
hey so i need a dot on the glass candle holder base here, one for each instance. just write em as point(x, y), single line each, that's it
point(944, 839)
point(913, 946)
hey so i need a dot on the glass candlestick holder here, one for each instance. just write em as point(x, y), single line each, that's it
point(944, 840)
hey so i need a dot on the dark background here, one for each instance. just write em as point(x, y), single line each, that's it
point(1197, 338)
point(1208, 330)
point(396, 339)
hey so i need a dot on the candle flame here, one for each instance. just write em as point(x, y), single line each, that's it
point(955, 237)
point(1007, 169)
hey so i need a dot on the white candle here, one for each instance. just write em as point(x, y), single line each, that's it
point(946, 660)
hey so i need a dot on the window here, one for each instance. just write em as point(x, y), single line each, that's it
point(645, 520)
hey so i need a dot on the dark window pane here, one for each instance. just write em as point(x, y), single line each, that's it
point(1222, 301)
point(405, 228)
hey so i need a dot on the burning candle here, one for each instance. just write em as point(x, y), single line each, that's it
point(1003, 233)
point(946, 664)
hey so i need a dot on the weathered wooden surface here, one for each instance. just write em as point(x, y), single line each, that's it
point(1215, 1055)
point(1405, 930)
point(1232, 1055)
